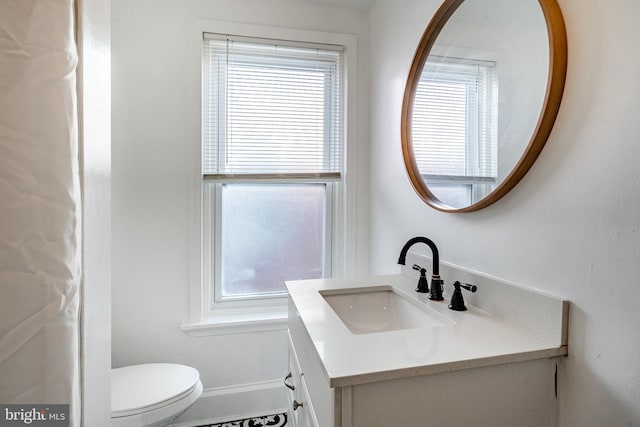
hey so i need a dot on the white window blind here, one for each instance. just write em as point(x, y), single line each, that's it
point(454, 126)
point(271, 109)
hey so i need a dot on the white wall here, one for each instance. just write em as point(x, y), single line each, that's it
point(152, 187)
point(571, 227)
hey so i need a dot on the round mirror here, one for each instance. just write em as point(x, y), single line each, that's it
point(481, 98)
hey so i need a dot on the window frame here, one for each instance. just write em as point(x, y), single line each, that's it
point(226, 171)
point(268, 313)
point(473, 142)
point(212, 227)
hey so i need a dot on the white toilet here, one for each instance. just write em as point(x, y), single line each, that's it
point(152, 395)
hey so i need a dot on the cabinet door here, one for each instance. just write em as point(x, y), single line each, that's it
point(306, 413)
point(301, 413)
point(292, 382)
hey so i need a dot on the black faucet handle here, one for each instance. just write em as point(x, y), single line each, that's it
point(420, 269)
point(467, 286)
point(423, 287)
point(457, 301)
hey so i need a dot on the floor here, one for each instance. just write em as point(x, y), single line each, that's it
point(278, 420)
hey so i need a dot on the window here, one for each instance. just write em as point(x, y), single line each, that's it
point(455, 128)
point(272, 163)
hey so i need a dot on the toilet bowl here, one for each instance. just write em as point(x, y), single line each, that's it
point(152, 395)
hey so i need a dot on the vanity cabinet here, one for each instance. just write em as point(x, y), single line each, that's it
point(520, 393)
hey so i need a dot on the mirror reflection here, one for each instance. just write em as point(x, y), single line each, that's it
point(479, 98)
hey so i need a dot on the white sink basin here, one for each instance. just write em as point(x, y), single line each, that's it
point(380, 309)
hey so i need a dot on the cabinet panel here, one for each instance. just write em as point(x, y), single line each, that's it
point(293, 384)
point(307, 414)
point(320, 394)
point(517, 394)
point(301, 411)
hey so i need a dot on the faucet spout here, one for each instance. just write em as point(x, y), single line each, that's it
point(428, 242)
point(436, 281)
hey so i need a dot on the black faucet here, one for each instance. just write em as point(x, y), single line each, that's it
point(436, 281)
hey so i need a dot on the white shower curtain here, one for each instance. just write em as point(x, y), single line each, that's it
point(40, 242)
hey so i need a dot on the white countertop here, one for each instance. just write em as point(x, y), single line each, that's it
point(474, 338)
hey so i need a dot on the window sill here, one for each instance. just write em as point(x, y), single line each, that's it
point(237, 321)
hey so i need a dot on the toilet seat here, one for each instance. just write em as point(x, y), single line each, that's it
point(141, 389)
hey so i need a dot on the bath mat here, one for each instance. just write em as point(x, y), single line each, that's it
point(278, 420)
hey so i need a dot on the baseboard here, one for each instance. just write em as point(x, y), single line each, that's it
point(236, 402)
point(241, 388)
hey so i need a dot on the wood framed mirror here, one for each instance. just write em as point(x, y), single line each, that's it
point(481, 99)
